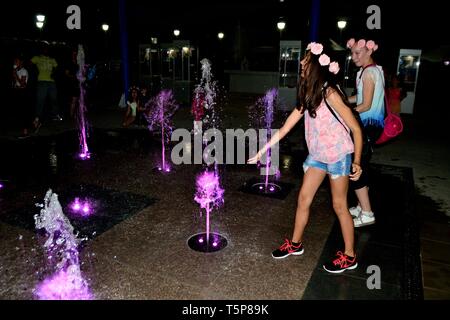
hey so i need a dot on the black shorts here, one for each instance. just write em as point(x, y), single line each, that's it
point(373, 133)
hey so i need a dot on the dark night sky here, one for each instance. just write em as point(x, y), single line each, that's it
point(404, 23)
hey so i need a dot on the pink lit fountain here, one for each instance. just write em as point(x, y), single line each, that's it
point(262, 116)
point(160, 111)
point(209, 196)
point(67, 281)
point(81, 112)
point(209, 193)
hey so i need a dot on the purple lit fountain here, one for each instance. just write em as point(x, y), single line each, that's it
point(81, 112)
point(207, 90)
point(159, 116)
point(67, 282)
point(209, 195)
point(262, 116)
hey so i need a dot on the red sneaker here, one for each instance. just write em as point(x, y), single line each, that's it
point(342, 263)
point(288, 248)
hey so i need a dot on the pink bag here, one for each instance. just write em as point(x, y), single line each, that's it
point(393, 125)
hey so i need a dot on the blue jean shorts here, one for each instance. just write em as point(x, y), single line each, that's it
point(335, 170)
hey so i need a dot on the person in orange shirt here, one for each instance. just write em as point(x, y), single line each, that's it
point(395, 94)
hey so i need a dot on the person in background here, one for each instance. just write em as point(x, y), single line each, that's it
point(46, 86)
point(369, 101)
point(395, 94)
point(21, 101)
point(133, 106)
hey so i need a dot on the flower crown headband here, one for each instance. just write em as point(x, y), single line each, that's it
point(324, 60)
point(369, 44)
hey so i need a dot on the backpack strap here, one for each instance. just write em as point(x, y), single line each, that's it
point(331, 109)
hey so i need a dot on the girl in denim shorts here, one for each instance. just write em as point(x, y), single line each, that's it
point(328, 123)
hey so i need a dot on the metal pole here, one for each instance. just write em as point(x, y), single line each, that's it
point(314, 26)
point(124, 45)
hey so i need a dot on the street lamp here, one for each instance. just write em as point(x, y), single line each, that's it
point(40, 18)
point(341, 25)
point(220, 35)
point(281, 25)
point(176, 32)
point(105, 27)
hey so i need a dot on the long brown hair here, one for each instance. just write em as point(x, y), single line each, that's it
point(313, 86)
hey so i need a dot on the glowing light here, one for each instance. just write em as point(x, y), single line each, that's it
point(281, 25)
point(176, 32)
point(200, 240)
point(64, 285)
point(76, 205)
point(40, 18)
point(39, 24)
point(105, 27)
point(215, 244)
point(220, 35)
point(86, 208)
point(342, 24)
point(272, 189)
point(1, 186)
point(84, 156)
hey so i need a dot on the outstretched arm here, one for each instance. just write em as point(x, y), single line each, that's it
point(293, 118)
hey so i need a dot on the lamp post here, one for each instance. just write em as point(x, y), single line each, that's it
point(281, 25)
point(40, 21)
point(341, 25)
point(105, 28)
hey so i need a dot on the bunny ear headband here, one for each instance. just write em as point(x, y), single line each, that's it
point(324, 60)
point(369, 44)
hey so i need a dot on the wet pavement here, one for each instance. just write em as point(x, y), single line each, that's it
point(136, 245)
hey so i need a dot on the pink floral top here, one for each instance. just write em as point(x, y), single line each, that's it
point(327, 139)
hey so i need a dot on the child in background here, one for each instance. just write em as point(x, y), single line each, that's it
point(132, 107)
point(395, 94)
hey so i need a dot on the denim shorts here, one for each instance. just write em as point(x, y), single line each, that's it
point(335, 170)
